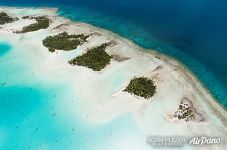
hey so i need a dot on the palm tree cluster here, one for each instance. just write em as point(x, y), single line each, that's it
point(64, 41)
point(42, 23)
point(142, 87)
point(95, 58)
point(5, 18)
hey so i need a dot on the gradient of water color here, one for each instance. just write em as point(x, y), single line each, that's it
point(191, 31)
point(4, 48)
point(37, 115)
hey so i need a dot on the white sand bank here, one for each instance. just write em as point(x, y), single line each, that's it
point(101, 92)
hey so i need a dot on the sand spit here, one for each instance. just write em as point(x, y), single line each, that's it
point(102, 92)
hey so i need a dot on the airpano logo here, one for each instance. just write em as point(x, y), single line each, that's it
point(205, 140)
point(179, 141)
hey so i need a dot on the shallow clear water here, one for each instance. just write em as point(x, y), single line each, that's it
point(37, 115)
point(34, 115)
point(191, 31)
point(4, 48)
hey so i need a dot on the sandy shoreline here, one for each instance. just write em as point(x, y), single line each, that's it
point(172, 62)
point(106, 101)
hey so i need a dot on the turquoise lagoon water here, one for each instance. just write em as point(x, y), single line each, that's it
point(190, 31)
point(4, 48)
point(35, 115)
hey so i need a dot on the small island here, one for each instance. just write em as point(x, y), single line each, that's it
point(142, 87)
point(64, 41)
point(95, 58)
point(103, 77)
point(187, 112)
point(5, 18)
point(42, 23)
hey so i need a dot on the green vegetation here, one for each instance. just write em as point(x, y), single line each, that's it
point(64, 41)
point(5, 18)
point(26, 17)
point(142, 87)
point(42, 23)
point(95, 58)
point(185, 112)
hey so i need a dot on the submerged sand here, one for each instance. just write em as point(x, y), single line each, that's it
point(102, 92)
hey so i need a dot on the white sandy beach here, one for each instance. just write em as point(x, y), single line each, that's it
point(101, 92)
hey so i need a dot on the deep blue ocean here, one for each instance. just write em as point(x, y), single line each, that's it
point(192, 31)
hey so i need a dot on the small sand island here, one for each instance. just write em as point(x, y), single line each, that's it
point(64, 41)
point(95, 58)
point(142, 87)
point(42, 22)
point(5, 18)
point(113, 76)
